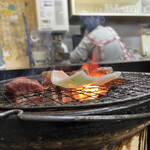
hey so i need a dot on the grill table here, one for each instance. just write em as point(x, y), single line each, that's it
point(80, 125)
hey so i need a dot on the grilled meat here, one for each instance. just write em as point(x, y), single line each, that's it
point(75, 71)
point(104, 70)
point(100, 71)
point(46, 75)
point(23, 85)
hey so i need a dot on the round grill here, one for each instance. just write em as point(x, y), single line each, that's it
point(130, 87)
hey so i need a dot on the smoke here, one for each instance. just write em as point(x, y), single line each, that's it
point(91, 22)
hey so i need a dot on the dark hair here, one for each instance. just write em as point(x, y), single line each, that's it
point(90, 22)
point(83, 28)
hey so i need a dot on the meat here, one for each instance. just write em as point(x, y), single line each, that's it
point(23, 85)
point(75, 71)
point(46, 75)
point(104, 70)
point(101, 71)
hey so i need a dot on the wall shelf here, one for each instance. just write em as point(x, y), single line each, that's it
point(135, 8)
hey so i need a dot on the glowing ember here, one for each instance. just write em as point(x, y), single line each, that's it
point(90, 92)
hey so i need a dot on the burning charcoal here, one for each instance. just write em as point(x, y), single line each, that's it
point(51, 95)
point(29, 100)
point(69, 95)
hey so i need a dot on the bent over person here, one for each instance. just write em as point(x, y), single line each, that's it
point(104, 43)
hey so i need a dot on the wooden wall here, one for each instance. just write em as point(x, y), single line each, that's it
point(13, 39)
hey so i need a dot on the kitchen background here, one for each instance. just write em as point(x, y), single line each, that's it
point(20, 33)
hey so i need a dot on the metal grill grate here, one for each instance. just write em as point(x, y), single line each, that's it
point(130, 86)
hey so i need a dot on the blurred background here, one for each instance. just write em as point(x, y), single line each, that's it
point(36, 33)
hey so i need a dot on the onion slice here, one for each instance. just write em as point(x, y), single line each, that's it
point(107, 78)
point(78, 80)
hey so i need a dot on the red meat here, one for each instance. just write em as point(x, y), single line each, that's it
point(23, 85)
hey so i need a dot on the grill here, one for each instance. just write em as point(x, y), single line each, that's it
point(56, 97)
point(58, 118)
point(131, 88)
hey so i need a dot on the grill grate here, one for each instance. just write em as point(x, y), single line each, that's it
point(129, 86)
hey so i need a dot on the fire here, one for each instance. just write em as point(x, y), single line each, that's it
point(88, 92)
point(91, 92)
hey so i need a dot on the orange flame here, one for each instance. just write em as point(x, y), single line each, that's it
point(88, 92)
point(91, 67)
point(91, 92)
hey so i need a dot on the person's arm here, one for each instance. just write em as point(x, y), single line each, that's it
point(81, 52)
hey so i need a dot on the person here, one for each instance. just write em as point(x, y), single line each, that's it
point(2, 62)
point(101, 42)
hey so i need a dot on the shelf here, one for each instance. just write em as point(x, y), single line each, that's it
point(112, 14)
point(109, 8)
